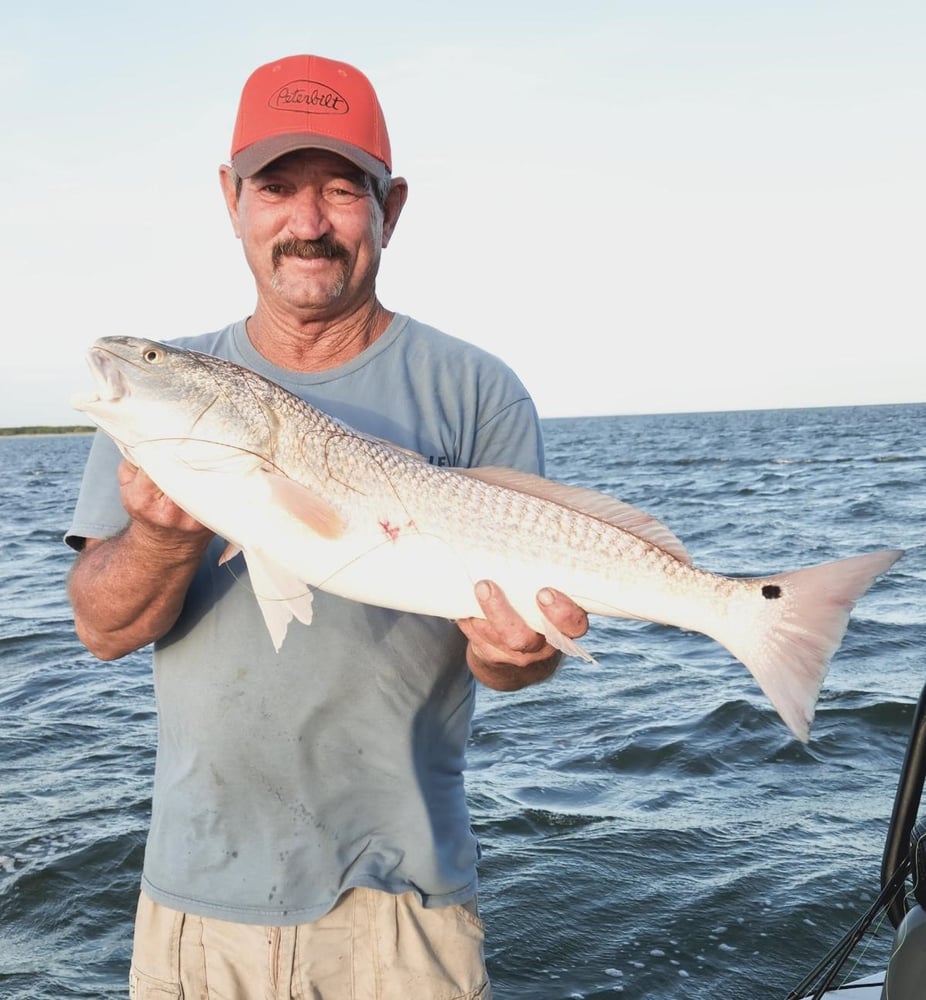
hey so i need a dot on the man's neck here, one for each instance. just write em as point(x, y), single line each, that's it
point(314, 345)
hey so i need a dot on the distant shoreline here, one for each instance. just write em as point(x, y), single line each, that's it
point(43, 431)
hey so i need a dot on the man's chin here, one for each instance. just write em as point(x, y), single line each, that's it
point(303, 289)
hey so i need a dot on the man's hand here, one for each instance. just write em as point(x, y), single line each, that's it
point(504, 652)
point(146, 504)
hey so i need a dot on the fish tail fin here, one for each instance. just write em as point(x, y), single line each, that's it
point(786, 628)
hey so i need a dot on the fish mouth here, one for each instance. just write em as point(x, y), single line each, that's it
point(111, 384)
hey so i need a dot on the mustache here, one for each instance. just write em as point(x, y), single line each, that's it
point(324, 247)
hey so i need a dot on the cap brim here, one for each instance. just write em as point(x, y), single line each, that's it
point(252, 159)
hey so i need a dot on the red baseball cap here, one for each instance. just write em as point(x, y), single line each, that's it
point(307, 102)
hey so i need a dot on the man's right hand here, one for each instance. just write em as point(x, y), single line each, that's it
point(146, 503)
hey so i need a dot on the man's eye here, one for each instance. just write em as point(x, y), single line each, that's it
point(342, 194)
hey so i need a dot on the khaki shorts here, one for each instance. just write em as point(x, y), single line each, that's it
point(371, 946)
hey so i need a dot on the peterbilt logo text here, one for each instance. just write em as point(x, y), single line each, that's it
point(306, 95)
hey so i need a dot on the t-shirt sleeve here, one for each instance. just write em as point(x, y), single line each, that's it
point(99, 512)
point(512, 438)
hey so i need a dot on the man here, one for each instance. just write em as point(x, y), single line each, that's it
point(309, 832)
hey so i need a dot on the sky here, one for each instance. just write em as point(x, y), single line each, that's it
point(642, 206)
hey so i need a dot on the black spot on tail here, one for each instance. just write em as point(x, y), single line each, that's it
point(771, 591)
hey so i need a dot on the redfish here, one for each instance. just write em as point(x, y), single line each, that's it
point(313, 504)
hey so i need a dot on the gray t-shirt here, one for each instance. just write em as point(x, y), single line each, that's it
point(284, 779)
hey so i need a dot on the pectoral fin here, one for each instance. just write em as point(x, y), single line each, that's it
point(229, 553)
point(299, 501)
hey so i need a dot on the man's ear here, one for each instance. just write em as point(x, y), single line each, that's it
point(229, 181)
point(395, 202)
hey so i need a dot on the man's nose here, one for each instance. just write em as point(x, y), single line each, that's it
point(308, 219)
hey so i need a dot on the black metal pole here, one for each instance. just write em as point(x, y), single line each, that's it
point(906, 807)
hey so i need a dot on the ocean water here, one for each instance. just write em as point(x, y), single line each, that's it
point(649, 826)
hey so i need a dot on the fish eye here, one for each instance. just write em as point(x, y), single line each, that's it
point(153, 356)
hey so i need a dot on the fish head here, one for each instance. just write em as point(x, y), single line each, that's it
point(148, 391)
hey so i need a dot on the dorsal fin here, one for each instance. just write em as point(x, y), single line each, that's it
point(598, 505)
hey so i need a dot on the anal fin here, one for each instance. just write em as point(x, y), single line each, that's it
point(564, 643)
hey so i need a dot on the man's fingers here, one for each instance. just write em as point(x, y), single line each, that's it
point(495, 606)
point(504, 627)
point(505, 622)
point(565, 614)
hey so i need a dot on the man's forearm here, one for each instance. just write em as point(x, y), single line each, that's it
point(128, 590)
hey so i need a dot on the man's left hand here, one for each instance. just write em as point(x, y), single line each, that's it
point(504, 652)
